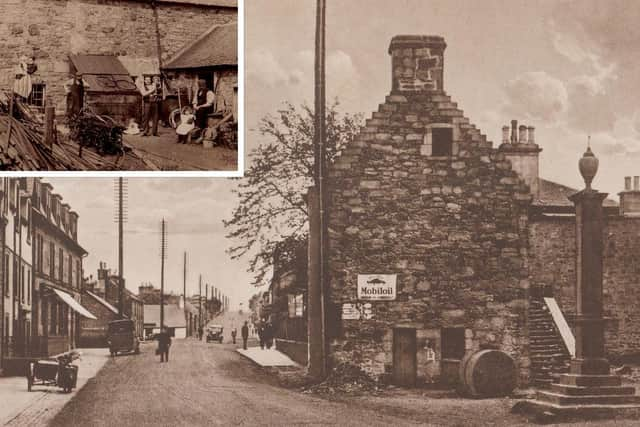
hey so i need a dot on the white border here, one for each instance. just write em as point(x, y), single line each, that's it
point(239, 172)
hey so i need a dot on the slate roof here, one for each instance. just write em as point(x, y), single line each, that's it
point(173, 316)
point(217, 46)
point(98, 64)
point(553, 194)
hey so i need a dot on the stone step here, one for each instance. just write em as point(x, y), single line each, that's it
point(604, 399)
point(573, 390)
point(590, 380)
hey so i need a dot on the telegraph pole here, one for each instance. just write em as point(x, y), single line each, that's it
point(184, 288)
point(206, 302)
point(121, 191)
point(162, 258)
point(200, 302)
point(317, 227)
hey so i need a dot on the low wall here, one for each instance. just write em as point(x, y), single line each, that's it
point(296, 350)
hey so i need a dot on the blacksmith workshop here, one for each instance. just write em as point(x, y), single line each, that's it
point(119, 85)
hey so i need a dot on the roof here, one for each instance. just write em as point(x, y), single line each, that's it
point(173, 316)
point(110, 83)
point(98, 64)
point(103, 302)
point(218, 3)
point(553, 194)
point(217, 46)
point(140, 66)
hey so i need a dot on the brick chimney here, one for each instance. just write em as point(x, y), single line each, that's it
point(522, 151)
point(417, 63)
point(630, 197)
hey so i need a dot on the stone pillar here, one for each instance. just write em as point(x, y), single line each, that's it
point(589, 325)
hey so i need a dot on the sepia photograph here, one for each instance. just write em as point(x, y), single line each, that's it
point(437, 221)
point(133, 85)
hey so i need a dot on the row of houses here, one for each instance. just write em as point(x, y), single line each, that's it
point(441, 244)
point(41, 271)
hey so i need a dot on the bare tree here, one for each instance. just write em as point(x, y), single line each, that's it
point(271, 209)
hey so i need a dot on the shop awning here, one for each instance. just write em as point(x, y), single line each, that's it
point(75, 305)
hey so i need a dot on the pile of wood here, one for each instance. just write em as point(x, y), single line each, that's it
point(99, 132)
point(23, 147)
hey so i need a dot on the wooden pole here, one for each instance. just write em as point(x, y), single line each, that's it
point(6, 143)
point(49, 117)
point(317, 234)
point(162, 255)
point(120, 248)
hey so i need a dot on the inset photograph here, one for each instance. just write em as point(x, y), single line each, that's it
point(128, 85)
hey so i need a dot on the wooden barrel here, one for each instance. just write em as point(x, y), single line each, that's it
point(488, 373)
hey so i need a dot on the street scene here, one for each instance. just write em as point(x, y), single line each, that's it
point(150, 86)
point(438, 222)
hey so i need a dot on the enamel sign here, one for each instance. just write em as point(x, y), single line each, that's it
point(377, 287)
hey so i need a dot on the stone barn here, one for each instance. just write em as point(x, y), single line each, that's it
point(441, 244)
point(138, 31)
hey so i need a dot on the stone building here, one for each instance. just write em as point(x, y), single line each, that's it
point(442, 244)
point(16, 279)
point(57, 276)
point(138, 32)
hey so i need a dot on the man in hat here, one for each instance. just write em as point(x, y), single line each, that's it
point(203, 103)
point(75, 88)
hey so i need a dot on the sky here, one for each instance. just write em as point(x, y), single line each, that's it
point(193, 208)
point(567, 67)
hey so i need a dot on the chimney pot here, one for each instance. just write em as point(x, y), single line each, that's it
point(514, 131)
point(532, 139)
point(505, 134)
point(636, 183)
point(522, 134)
point(627, 183)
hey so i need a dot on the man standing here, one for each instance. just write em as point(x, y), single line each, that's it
point(150, 92)
point(200, 332)
point(74, 88)
point(245, 334)
point(203, 104)
point(164, 342)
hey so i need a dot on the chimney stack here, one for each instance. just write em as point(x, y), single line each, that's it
point(630, 198)
point(417, 63)
point(523, 153)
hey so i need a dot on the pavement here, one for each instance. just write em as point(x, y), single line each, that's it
point(166, 154)
point(267, 356)
point(38, 407)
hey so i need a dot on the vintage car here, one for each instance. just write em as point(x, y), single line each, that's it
point(214, 333)
point(121, 337)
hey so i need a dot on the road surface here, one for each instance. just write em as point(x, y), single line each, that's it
point(203, 384)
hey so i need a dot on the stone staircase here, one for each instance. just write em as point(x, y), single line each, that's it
point(549, 355)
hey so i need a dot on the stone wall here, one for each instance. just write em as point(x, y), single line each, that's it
point(552, 262)
point(114, 27)
point(453, 229)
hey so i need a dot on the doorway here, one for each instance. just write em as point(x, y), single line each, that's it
point(404, 357)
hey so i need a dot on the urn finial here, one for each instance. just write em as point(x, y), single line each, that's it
point(588, 165)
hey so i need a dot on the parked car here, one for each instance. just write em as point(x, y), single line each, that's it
point(214, 333)
point(121, 337)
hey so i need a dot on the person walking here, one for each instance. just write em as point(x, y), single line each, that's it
point(245, 334)
point(268, 335)
point(234, 332)
point(200, 331)
point(164, 342)
point(261, 335)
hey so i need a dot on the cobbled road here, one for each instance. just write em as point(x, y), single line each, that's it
point(202, 385)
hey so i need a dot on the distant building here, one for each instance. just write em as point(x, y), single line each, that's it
point(174, 320)
point(93, 332)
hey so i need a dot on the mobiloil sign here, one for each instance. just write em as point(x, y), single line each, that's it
point(377, 287)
